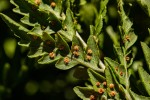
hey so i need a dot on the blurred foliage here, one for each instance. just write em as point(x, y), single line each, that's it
point(4, 4)
point(22, 78)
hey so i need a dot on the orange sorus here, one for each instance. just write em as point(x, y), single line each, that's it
point(98, 84)
point(76, 54)
point(111, 86)
point(127, 58)
point(53, 4)
point(66, 60)
point(37, 2)
point(88, 58)
point(92, 97)
point(121, 73)
point(127, 37)
point(52, 55)
point(101, 90)
point(89, 52)
point(112, 93)
point(104, 83)
point(76, 48)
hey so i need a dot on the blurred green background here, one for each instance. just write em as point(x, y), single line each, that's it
point(22, 78)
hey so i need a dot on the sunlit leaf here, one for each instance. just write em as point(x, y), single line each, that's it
point(61, 64)
point(145, 5)
point(81, 73)
point(125, 21)
point(91, 42)
point(84, 92)
point(46, 59)
point(19, 30)
point(119, 54)
point(131, 41)
point(36, 50)
point(77, 42)
point(145, 78)
point(62, 45)
point(146, 51)
point(117, 69)
point(69, 23)
point(110, 80)
point(95, 77)
point(138, 97)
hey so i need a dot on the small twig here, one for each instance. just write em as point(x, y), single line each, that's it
point(89, 66)
point(81, 40)
point(101, 64)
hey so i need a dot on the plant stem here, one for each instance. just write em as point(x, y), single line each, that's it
point(126, 77)
point(89, 65)
point(81, 40)
point(101, 64)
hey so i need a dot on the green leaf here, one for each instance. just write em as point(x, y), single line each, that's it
point(139, 85)
point(119, 53)
point(36, 50)
point(47, 60)
point(126, 23)
point(49, 42)
point(48, 15)
point(145, 5)
point(145, 78)
point(77, 42)
point(63, 66)
point(84, 92)
point(95, 77)
point(18, 29)
point(26, 21)
point(117, 69)
point(49, 31)
point(103, 4)
point(66, 35)
point(99, 25)
point(146, 51)
point(91, 43)
point(101, 42)
point(62, 45)
point(138, 97)
point(46, 36)
point(68, 23)
point(110, 80)
point(92, 30)
point(37, 46)
point(81, 73)
point(58, 7)
point(125, 93)
point(100, 16)
point(114, 36)
point(18, 11)
point(41, 14)
point(23, 43)
point(131, 41)
point(22, 7)
point(37, 31)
